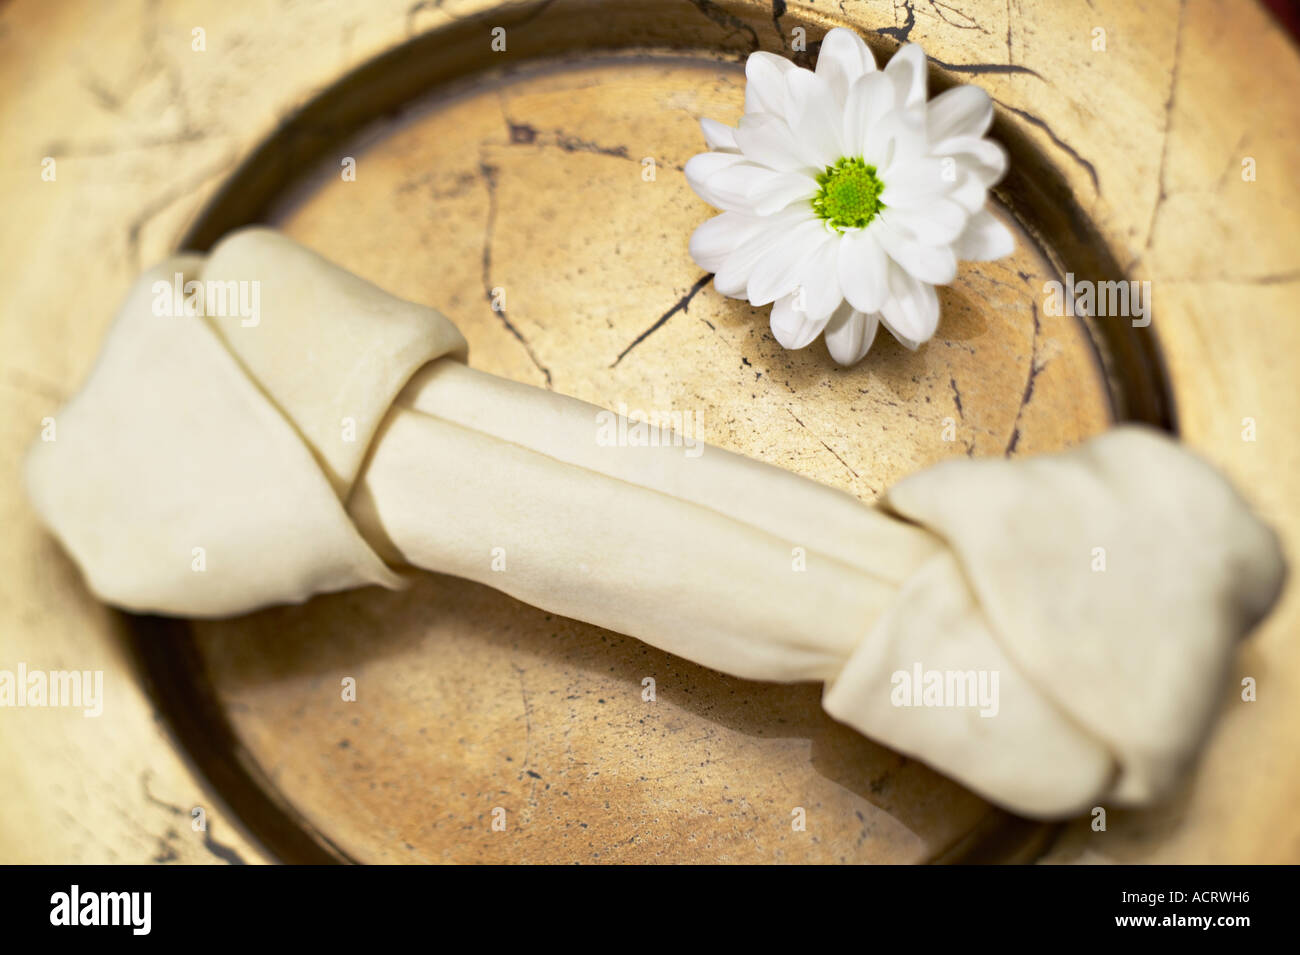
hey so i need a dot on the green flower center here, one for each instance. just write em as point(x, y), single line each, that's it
point(849, 197)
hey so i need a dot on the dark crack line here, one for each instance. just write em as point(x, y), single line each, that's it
point(105, 97)
point(576, 144)
point(166, 852)
point(420, 6)
point(489, 174)
point(970, 22)
point(1162, 191)
point(1034, 369)
point(526, 134)
point(778, 11)
point(174, 809)
point(682, 304)
point(1234, 163)
point(728, 20)
point(903, 33)
point(100, 149)
point(1010, 53)
point(824, 445)
point(1056, 140)
point(225, 853)
point(987, 68)
point(528, 738)
point(1274, 278)
point(956, 397)
point(528, 717)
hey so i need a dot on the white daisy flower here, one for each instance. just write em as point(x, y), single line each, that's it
point(848, 197)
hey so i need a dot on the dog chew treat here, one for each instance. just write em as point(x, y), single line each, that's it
point(211, 466)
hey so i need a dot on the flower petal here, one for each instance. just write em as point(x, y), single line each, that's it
point(792, 327)
point(819, 281)
point(961, 111)
point(863, 270)
point(730, 284)
point(778, 271)
point(906, 70)
point(898, 137)
point(702, 166)
point(768, 140)
point(732, 279)
point(842, 60)
point(984, 239)
point(937, 222)
point(718, 136)
point(911, 312)
point(869, 99)
point(714, 240)
point(765, 83)
point(756, 190)
point(935, 264)
point(969, 193)
point(916, 182)
point(984, 157)
point(849, 334)
point(814, 115)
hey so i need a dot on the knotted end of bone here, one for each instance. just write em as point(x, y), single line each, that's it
point(200, 445)
point(1107, 586)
